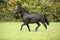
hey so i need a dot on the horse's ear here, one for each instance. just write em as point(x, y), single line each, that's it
point(1, 0)
point(19, 5)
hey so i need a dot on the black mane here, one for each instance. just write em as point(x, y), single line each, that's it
point(23, 8)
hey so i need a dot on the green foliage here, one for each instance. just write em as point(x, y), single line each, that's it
point(33, 6)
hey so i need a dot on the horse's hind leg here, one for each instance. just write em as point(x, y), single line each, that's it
point(45, 25)
point(37, 26)
point(22, 26)
point(28, 27)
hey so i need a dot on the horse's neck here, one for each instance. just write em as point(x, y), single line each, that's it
point(24, 14)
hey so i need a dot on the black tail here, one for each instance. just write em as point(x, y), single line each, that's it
point(46, 20)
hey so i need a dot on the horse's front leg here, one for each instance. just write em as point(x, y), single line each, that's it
point(37, 26)
point(28, 27)
point(22, 26)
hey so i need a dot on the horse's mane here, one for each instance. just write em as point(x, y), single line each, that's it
point(23, 9)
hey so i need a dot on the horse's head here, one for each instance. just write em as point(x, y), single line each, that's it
point(17, 12)
point(20, 10)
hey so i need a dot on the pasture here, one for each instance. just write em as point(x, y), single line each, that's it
point(11, 31)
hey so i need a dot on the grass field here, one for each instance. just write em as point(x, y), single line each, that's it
point(11, 31)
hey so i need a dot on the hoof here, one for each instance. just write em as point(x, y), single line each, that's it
point(20, 29)
point(29, 30)
point(35, 30)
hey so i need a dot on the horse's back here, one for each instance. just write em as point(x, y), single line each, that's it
point(36, 17)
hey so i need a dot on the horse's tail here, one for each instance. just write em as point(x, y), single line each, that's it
point(46, 20)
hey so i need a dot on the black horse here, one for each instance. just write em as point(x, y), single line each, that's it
point(31, 18)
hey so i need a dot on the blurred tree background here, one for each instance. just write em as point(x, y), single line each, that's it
point(51, 8)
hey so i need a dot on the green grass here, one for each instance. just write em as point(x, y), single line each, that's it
point(11, 31)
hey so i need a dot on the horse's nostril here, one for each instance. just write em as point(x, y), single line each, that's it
point(14, 12)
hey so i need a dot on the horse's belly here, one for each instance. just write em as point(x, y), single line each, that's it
point(34, 20)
